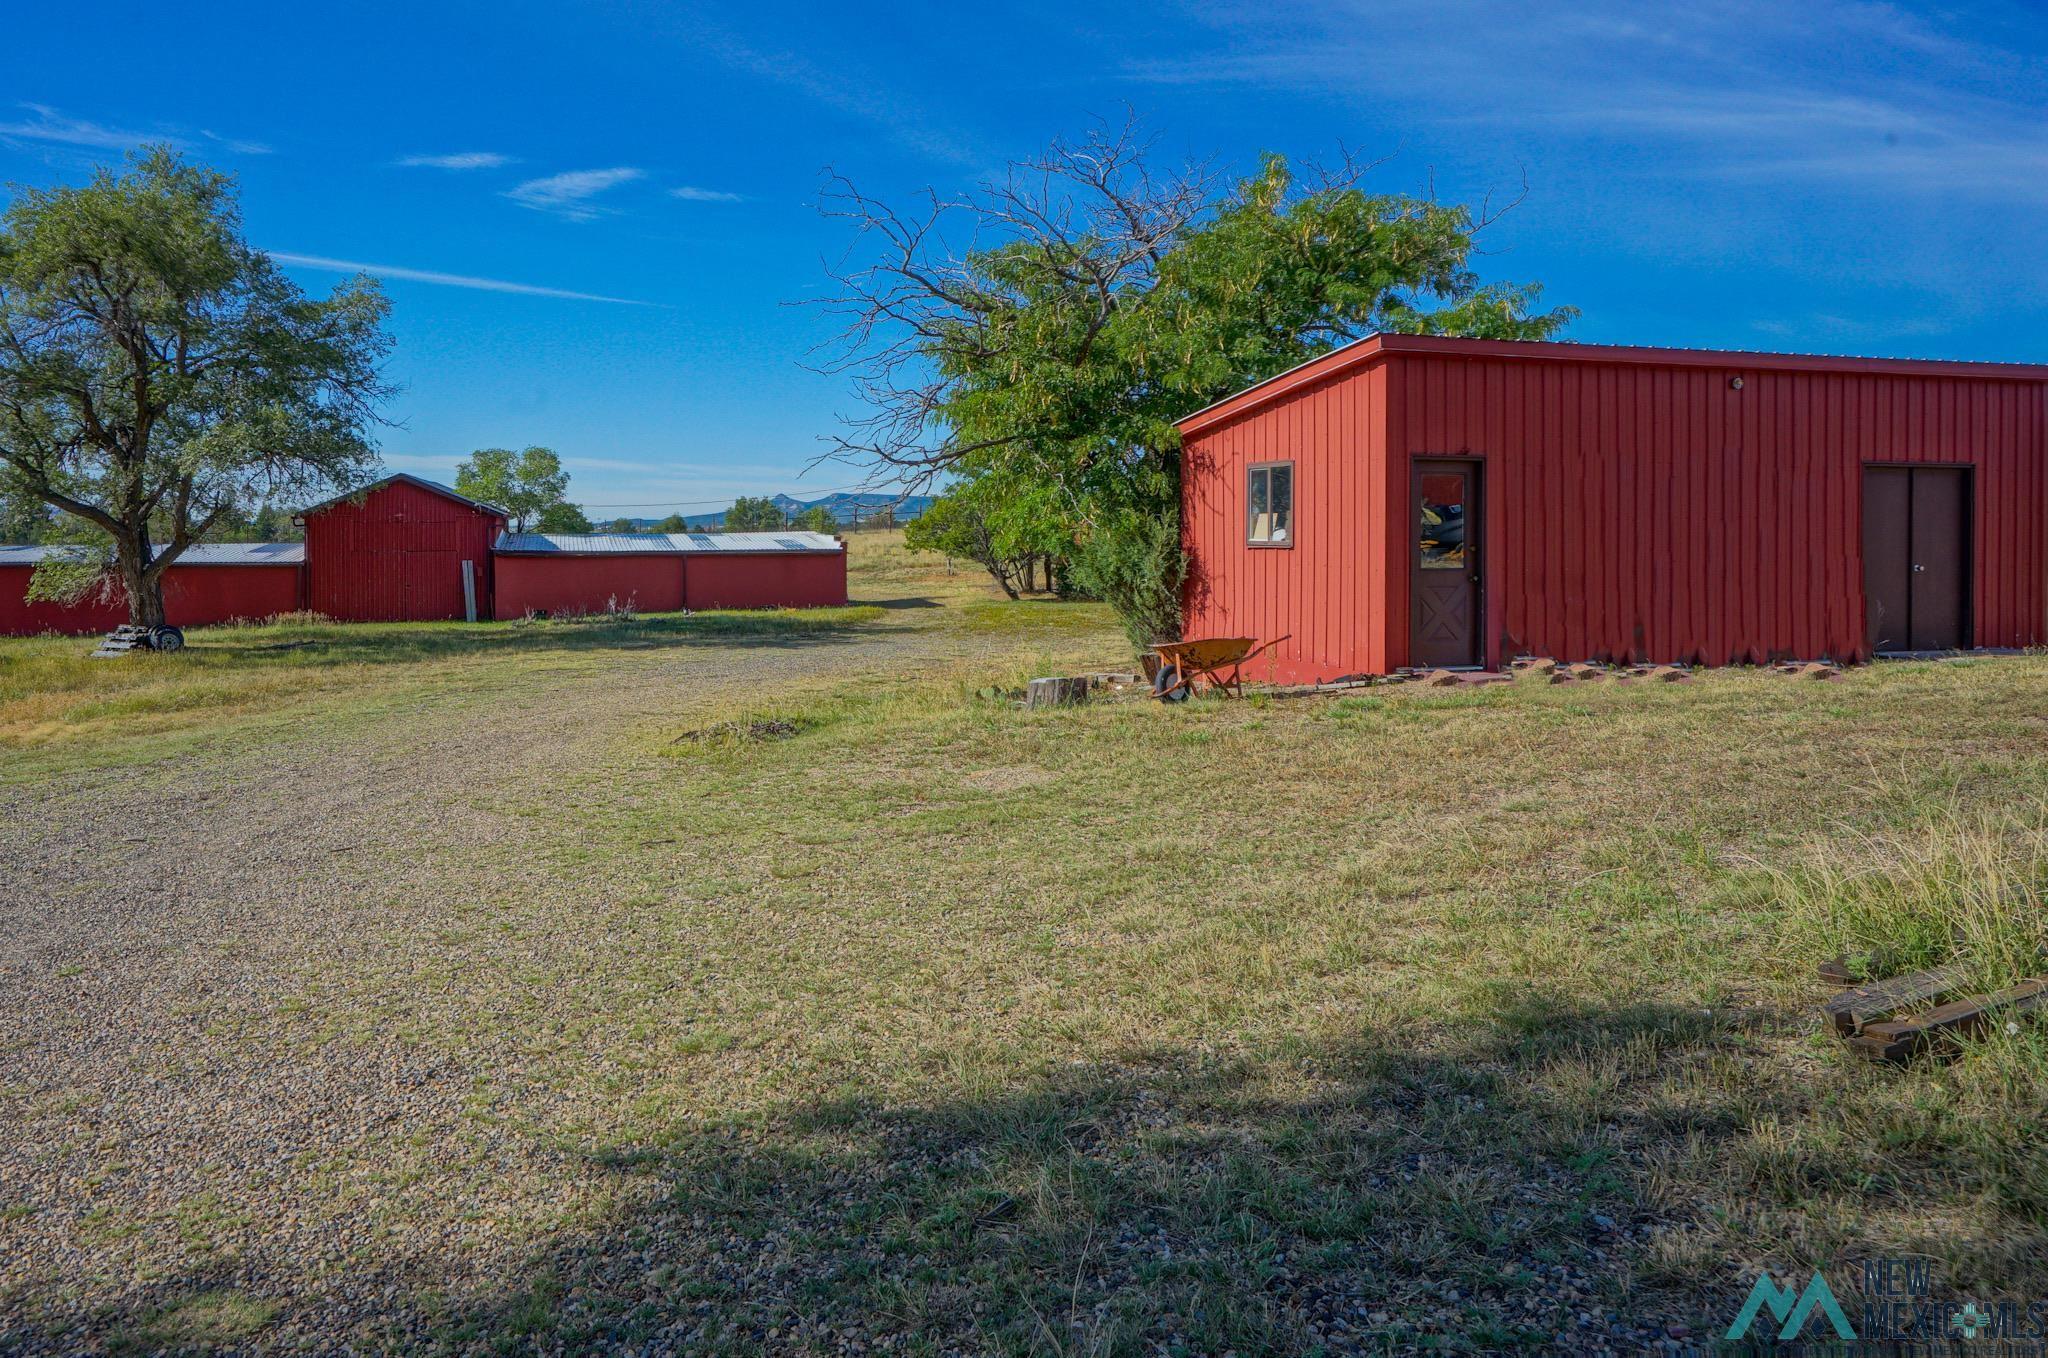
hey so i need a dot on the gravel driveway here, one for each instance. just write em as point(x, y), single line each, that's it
point(175, 1128)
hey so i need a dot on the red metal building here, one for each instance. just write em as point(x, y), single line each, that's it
point(1412, 500)
point(587, 573)
point(744, 571)
point(662, 572)
point(209, 583)
point(409, 550)
point(399, 551)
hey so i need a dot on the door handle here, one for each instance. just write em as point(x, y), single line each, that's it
point(1917, 568)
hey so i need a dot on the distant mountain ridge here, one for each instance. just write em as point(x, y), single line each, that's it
point(846, 508)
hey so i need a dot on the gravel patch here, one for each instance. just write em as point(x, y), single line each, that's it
point(181, 1123)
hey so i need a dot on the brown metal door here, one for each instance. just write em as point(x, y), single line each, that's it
point(1887, 556)
point(1941, 570)
point(1916, 558)
point(1444, 519)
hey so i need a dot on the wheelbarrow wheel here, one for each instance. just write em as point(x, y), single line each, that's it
point(1166, 685)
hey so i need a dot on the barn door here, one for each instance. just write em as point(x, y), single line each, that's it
point(1443, 610)
point(1916, 558)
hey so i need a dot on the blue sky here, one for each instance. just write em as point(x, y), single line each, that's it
point(593, 219)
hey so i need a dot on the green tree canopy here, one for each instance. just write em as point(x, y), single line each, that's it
point(1103, 298)
point(562, 517)
point(753, 514)
point(157, 375)
point(993, 522)
point(528, 485)
point(817, 519)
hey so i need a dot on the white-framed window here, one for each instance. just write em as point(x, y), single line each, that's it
point(1269, 502)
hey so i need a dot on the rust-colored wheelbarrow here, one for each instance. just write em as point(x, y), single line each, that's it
point(1181, 663)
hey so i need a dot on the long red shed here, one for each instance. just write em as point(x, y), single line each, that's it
point(406, 549)
point(398, 550)
point(209, 583)
point(1418, 500)
point(663, 572)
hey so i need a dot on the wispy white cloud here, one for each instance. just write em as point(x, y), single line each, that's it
point(51, 126)
point(1859, 92)
point(850, 92)
point(450, 280)
point(48, 125)
point(460, 160)
point(690, 193)
point(238, 145)
point(569, 194)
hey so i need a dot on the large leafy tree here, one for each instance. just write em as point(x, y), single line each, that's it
point(1097, 298)
point(754, 514)
point(158, 376)
point(529, 485)
point(993, 522)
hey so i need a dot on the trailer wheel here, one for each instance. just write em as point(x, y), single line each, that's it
point(1167, 687)
point(166, 638)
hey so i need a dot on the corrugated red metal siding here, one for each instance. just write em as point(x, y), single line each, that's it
point(194, 596)
point(1328, 588)
point(396, 555)
point(556, 584)
point(1645, 512)
point(764, 580)
point(198, 596)
point(1637, 507)
point(20, 618)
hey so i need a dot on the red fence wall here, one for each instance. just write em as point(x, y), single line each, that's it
point(396, 555)
point(765, 580)
point(194, 596)
point(557, 584)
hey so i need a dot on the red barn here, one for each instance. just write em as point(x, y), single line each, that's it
point(410, 550)
point(663, 572)
point(400, 550)
point(208, 583)
point(1423, 501)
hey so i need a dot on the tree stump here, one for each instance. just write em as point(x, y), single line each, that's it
point(1061, 692)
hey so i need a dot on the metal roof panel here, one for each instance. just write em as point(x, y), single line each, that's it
point(676, 544)
point(199, 554)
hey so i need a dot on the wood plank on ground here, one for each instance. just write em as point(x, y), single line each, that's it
point(1853, 1008)
point(1901, 1040)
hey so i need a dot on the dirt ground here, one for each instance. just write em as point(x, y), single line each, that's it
point(161, 924)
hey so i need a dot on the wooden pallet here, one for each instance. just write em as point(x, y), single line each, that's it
point(123, 639)
point(1863, 1015)
point(1858, 1005)
point(1901, 1040)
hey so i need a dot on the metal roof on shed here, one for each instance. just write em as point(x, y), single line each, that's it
point(662, 544)
point(422, 482)
point(199, 554)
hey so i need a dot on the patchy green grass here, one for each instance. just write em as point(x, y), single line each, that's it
point(59, 708)
point(202, 1323)
point(51, 691)
point(1413, 1020)
point(1134, 1029)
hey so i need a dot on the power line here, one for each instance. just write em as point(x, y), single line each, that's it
point(698, 504)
